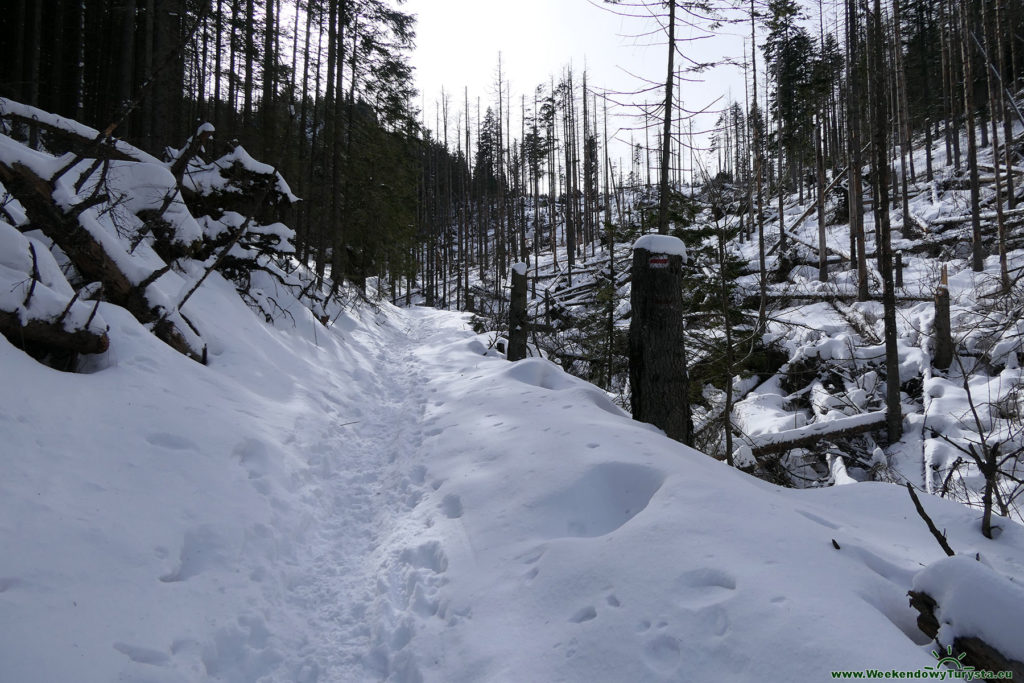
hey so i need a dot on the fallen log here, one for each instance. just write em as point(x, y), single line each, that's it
point(71, 136)
point(89, 255)
point(987, 216)
point(810, 435)
point(51, 335)
point(976, 652)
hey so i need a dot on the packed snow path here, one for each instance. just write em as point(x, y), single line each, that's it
point(365, 474)
point(390, 501)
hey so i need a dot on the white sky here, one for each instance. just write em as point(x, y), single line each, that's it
point(458, 42)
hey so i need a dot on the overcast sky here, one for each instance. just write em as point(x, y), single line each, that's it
point(458, 42)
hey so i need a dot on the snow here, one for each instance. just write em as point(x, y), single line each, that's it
point(383, 500)
point(975, 601)
point(662, 244)
point(519, 268)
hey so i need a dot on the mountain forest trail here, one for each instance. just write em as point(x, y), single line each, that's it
point(368, 470)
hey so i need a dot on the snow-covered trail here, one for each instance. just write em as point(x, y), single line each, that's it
point(367, 470)
point(162, 521)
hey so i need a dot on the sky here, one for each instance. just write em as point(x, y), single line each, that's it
point(458, 43)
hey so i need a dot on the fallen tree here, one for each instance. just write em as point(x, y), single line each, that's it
point(810, 435)
point(93, 256)
point(51, 335)
point(958, 600)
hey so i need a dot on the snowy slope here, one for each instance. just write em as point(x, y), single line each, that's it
point(387, 500)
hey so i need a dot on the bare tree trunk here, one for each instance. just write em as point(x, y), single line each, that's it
point(856, 193)
point(127, 57)
point(250, 55)
point(880, 171)
point(1004, 108)
point(666, 137)
point(820, 162)
point(268, 134)
point(993, 107)
point(977, 251)
point(756, 120)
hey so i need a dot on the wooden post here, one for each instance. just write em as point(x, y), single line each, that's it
point(470, 304)
point(899, 268)
point(657, 356)
point(943, 355)
point(517, 322)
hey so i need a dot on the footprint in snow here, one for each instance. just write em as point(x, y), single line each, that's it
point(200, 549)
point(427, 556)
point(171, 442)
point(587, 613)
point(142, 655)
point(818, 520)
point(662, 653)
point(452, 506)
point(704, 587)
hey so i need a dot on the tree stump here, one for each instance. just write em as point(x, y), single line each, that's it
point(657, 356)
point(942, 358)
point(517, 320)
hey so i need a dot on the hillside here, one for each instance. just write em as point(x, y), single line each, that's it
point(344, 490)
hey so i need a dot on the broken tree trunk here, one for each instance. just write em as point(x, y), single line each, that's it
point(518, 322)
point(657, 355)
point(942, 357)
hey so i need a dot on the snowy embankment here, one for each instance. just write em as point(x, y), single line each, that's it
point(389, 500)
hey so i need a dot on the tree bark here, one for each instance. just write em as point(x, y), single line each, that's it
point(50, 335)
point(657, 356)
point(518, 321)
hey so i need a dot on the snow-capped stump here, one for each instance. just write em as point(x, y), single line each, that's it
point(517, 315)
point(657, 359)
point(194, 145)
point(978, 612)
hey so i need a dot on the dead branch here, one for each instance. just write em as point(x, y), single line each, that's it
point(940, 537)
